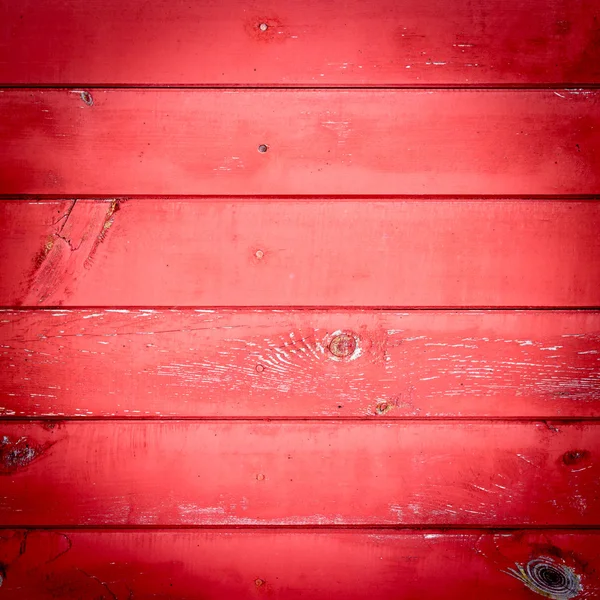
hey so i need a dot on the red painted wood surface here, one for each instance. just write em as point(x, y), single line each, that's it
point(287, 340)
point(356, 42)
point(293, 564)
point(205, 142)
point(165, 473)
point(152, 252)
point(266, 363)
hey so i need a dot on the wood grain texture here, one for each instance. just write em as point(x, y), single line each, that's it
point(314, 43)
point(150, 252)
point(299, 473)
point(272, 363)
point(369, 142)
point(289, 565)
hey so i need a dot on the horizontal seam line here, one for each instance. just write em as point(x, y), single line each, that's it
point(282, 308)
point(309, 198)
point(244, 87)
point(313, 528)
point(333, 419)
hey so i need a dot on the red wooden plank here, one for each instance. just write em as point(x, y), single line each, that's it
point(223, 363)
point(150, 252)
point(300, 473)
point(297, 564)
point(203, 142)
point(351, 42)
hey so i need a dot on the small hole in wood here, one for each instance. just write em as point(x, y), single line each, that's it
point(263, 148)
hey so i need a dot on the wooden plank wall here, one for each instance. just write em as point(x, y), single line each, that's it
point(299, 299)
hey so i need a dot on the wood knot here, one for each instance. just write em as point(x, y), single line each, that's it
point(343, 345)
point(575, 458)
point(549, 578)
point(383, 407)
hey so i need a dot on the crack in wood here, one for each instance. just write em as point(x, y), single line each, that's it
point(63, 552)
point(104, 584)
point(81, 229)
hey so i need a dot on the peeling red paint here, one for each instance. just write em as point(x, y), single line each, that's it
point(17, 454)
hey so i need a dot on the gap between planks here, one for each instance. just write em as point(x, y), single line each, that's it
point(563, 85)
point(277, 308)
point(368, 419)
point(47, 198)
point(403, 528)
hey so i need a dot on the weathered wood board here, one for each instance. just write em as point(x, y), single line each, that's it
point(299, 363)
point(207, 253)
point(299, 299)
point(315, 43)
point(110, 473)
point(319, 142)
point(294, 564)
